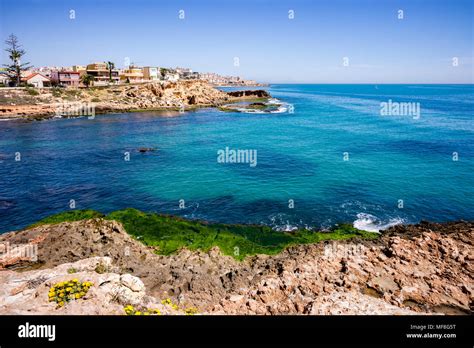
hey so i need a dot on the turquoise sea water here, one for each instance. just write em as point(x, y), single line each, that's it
point(300, 157)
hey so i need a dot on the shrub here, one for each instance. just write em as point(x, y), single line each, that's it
point(191, 311)
point(56, 91)
point(101, 268)
point(168, 302)
point(64, 292)
point(131, 310)
point(31, 91)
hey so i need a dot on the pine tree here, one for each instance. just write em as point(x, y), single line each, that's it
point(15, 52)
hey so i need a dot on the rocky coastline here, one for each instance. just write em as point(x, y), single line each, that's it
point(39, 104)
point(410, 269)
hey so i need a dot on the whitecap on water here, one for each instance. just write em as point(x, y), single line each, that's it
point(282, 108)
point(371, 223)
point(285, 228)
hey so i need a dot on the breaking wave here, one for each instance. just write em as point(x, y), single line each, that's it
point(371, 223)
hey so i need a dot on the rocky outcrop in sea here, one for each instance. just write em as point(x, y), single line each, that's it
point(73, 102)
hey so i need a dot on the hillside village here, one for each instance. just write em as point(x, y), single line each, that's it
point(43, 92)
point(105, 73)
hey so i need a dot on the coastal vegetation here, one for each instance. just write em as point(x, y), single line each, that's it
point(134, 310)
point(66, 291)
point(87, 80)
point(31, 91)
point(72, 215)
point(169, 234)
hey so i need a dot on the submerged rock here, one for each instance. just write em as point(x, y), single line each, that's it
point(146, 149)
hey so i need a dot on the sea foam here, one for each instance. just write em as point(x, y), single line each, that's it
point(371, 223)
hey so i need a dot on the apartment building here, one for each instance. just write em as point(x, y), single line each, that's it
point(66, 78)
point(101, 73)
point(132, 74)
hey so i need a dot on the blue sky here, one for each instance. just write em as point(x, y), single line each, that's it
point(271, 47)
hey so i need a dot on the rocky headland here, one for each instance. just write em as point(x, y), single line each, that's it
point(415, 269)
point(36, 104)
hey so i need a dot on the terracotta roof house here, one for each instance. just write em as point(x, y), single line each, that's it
point(37, 80)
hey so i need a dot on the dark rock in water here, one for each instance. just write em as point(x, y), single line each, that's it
point(5, 204)
point(257, 105)
point(259, 93)
point(146, 149)
point(192, 100)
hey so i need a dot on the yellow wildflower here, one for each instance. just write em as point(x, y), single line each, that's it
point(191, 311)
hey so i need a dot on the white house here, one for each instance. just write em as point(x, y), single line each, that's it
point(173, 77)
point(4, 79)
point(37, 80)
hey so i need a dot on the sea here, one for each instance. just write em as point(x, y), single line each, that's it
point(370, 155)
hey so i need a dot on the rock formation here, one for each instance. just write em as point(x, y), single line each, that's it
point(181, 95)
point(259, 93)
point(27, 292)
point(424, 268)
